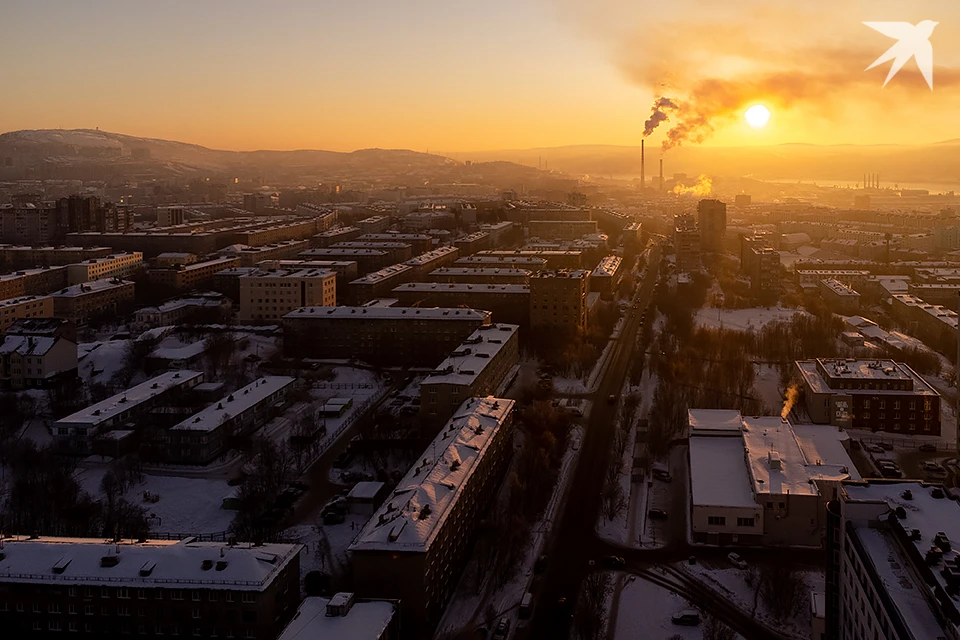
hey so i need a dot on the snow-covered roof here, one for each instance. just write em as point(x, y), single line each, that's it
point(342, 251)
point(464, 287)
point(825, 444)
point(393, 271)
point(234, 404)
point(839, 288)
point(128, 400)
point(365, 490)
point(725, 421)
point(155, 563)
point(28, 272)
point(365, 621)
point(479, 351)
point(389, 313)
point(529, 260)
point(27, 345)
point(425, 258)
point(481, 271)
point(87, 288)
point(13, 302)
point(777, 465)
point(411, 516)
point(608, 267)
point(718, 475)
point(185, 352)
point(875, 372)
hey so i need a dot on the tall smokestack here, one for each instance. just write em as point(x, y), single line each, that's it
point(864, 181)
point(643, 174)
point(661, 175)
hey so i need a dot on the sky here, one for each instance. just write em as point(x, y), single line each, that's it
point(459, 76)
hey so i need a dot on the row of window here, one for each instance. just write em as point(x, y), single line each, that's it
point(159, 630)
point(124, 593)
point(721, 521)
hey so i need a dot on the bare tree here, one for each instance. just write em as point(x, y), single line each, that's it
point(588, 621)
point(714, 629)
point(784, 590)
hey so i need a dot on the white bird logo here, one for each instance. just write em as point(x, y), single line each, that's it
point(913, 41)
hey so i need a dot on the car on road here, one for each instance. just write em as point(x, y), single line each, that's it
point(686, 618)
point(503, 628)
point(540, 565)
point(928, 447)
point(611, 399)
point(736, 560)
point(934, 468)
point(657, 514)
point(886, 446)
point(614, 561)
point(873, 448)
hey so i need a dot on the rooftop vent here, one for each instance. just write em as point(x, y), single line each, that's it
point(424, 512)
point(147, 568)
point(221, 565)
point(61, 565)
point(109, 561)
point(206, 565)
point(907, 495)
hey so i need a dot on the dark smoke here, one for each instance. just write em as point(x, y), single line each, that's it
point(659, 114)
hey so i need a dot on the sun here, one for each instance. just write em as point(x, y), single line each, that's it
point(757, 116)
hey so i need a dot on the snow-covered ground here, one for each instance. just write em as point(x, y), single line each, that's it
point(100, 361)
point(617, 530)
point(767, 386)
point(743, 319)
point(186, 505)
point(326, 545)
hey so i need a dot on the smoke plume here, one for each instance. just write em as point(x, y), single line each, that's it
point(703, 187)
point(658, 114)
point(791, 396)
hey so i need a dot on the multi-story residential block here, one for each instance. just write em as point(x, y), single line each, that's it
point(419, 242)
point(154, 588)
point(633, 235)
point(191, 276)
point(396, 251)
point(891, 562)
point(170, 216)
point(759, 480)
point(268, 295)
point(566, 259)
point(368, 260)
point(507, 302)
point(477, 368)
point(561, 229)
point(558, 299)
point(880, 395)
point(344, 616)
point(378, 284)
point(712, 221)
point(326, 239)
point(810, 278)
point(485, 261)
point(937, 294)
point(438, 258)
point(934, 323)
point(764, 270)
point(36, 355)
point(930, 275)
point(118, 265)
point(32, 282)
point(472, 242)
point(208, 306)
point(27, 257)
point(415, 546)
point(86, 213)
point(379, 335)
point(199, 439)
point(326, 217)
point(14, 309)
point(480, 275)
point(286, 250)
point(606, 277)
point(227, 281)
point(839, 297)
point(76, 432)
point(80, 302)
point(29, 223)
point(175, 259)
point(686, 243)
point(374, 224)
point(500, 232)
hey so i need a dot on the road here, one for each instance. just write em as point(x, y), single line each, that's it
point(574, 540)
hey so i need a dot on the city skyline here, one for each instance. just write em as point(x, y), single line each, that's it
point(454, 78)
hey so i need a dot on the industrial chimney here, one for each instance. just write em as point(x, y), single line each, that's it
point(643, 174)
point(661, 175)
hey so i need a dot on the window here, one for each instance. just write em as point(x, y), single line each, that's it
point(72, 592)
point(176, 594)
point(88, 610)
point(228, 596)
point(196, 614)
point(717, 521)
point(123, 593)
point(745, 522)
point(104, 592)
point(72, 609)
point(247, 598)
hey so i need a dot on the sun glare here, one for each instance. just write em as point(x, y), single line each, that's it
point(757, 116)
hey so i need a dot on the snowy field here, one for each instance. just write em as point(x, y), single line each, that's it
point(326, 545)
point(100, 361)
point(743, 319)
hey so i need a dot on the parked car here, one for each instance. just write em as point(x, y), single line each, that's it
point(540, 565)
point(503, 628)
point(331, 517)
point(873, 448)
point(886, 446)
point(928, 447)
point(657, 514)
point(736, 560)
point(686, 618)
point(934, 468)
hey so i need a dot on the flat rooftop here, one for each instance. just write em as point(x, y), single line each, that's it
point(365, 621)
point(88, 288)
point(717, 420)
point(155, 563)
point(388, 313)
point(411, 516)
point(839, 288)
point(234, 404)
point(872, 371)
point(462, 287)
point(608, 267)
point(467, 362)
point(718, 475)
point(127, 400)
point(393, 271)
point(481, 271)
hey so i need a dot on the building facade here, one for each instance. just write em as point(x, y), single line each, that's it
point(712, 221)
point(267, 296)
point(118, 265)
point(80, 302)
point(558, 299)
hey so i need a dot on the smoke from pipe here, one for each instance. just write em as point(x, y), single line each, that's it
point(659, 113)
point(791, 396)
point(703, 187)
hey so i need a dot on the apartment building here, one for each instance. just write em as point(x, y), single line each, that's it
point(395, 251)
point(76, 432)
point(419, 242)
point(880, 395)
point(368, 260)
point(430, 261)
point(32, 282)
point(415, 546)
point(286, 250)
point(175, 259)
point(170, 216)
point(473, 242)
point(209, 305)
point(480, 275)
point(29, 223)
point(80, 302)
point(561, 229)
point(764, 270)
point(935, 324)
point(605, 278)
point(268, 295)
point(117, 265)
point(712, 222)
point(566, 259)
point(191, 276)
point(36, 355)
point(686, 243)
point(92, 588)
point(329, 238)
point(374, 224)
point(500, 232)
point(507, 302)
point(378, 284)
point(810, 278)
point(761, 480)
point(14, 309)
point(379, 335)
point(841, 298)
point(937, 294)
point(477, 368)
point(558, 299)
point(891, 564)
point(27, 257)
point(227, 281)
point(633, 235)
point(484, 261)
point(203, 437)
